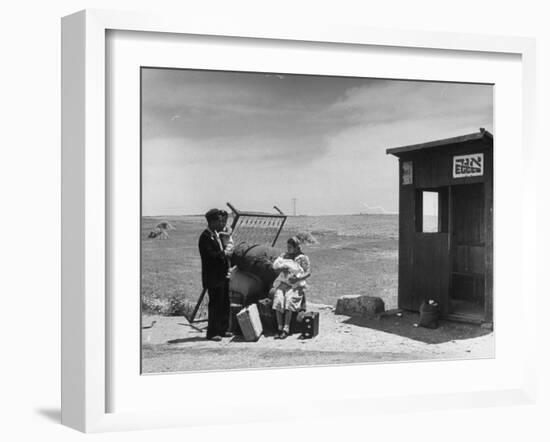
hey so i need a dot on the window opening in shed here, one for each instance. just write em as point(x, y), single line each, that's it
point(430, 211)
point(432, 208)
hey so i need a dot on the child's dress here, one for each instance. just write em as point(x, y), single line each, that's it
point(226, 239)
point(289, 296)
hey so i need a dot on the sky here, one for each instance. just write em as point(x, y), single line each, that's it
point(259, 140)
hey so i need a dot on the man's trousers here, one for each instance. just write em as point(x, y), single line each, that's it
point(218, 310)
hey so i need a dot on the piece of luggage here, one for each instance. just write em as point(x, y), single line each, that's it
point(245, 288)
point(250, 323)
point(296, 322)
point(258, 260)
point(310, 325)
point(233, 322)
point(267, 316)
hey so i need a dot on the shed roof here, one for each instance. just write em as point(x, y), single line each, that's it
point(439, 143)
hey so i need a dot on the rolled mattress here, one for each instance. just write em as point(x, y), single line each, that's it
point(257, 259)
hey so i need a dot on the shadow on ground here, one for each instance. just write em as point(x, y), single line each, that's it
point(404, 326)
point(195, 328)
point(184, 340)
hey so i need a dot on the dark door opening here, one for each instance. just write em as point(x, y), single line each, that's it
point(468, 251)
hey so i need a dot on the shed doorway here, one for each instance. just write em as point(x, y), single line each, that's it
point(468, 251)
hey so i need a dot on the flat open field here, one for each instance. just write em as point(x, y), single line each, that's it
point(355, 254)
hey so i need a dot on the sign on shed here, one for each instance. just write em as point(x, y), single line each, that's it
point(407, 173)
point(468, 165)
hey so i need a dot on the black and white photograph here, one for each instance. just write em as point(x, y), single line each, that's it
point(302, 220)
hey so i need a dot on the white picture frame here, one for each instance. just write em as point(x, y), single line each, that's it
point(86, 205)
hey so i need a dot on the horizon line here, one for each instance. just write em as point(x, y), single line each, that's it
point(289, 216)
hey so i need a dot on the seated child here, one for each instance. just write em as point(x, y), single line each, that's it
point(288, 268)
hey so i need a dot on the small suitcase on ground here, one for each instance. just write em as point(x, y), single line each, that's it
point(249, 322)
point(310, 325)
point(233, 323)
point(267, 316)
point(296, 322)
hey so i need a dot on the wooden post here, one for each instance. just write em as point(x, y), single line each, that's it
point(199, 302)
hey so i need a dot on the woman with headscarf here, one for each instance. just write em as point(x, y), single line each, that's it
point(288, 289)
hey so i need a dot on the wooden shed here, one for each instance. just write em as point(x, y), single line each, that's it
point(446, 226)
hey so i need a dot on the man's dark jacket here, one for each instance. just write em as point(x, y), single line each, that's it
point(214, 262)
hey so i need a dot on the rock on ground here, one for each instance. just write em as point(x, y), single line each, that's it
point(359, 305)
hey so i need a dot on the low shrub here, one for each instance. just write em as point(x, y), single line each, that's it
point(172, 304)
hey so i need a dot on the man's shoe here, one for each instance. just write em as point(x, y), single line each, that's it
point(227, 335)
point(215, 338)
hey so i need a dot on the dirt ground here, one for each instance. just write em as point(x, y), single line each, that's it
point(172, 345)
point(355, 255)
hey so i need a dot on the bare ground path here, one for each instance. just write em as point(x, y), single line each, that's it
point(171, 345)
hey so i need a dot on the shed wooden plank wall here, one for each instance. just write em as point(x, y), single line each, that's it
point(425, 260)
point(431, 269)
point(406, 233)
point(489, 237)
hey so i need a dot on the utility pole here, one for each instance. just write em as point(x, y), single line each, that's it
point(294, 206)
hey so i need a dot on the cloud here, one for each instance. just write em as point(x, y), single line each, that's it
point(228, 104)
point(399, 101)
point(259, 140)
point(243, 151)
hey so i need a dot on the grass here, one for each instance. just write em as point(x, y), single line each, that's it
point(341, 265)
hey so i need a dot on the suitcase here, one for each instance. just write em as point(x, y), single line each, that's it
point(267, 316)
point(236, 297)
point(310, 325)
point(249, 322)
point(296, 322)
point(233, 323)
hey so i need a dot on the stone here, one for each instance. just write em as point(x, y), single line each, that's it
point(359, 305)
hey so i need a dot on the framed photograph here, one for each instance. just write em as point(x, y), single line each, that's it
point(247, 207)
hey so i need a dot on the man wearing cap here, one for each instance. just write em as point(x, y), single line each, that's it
point(215, 270)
